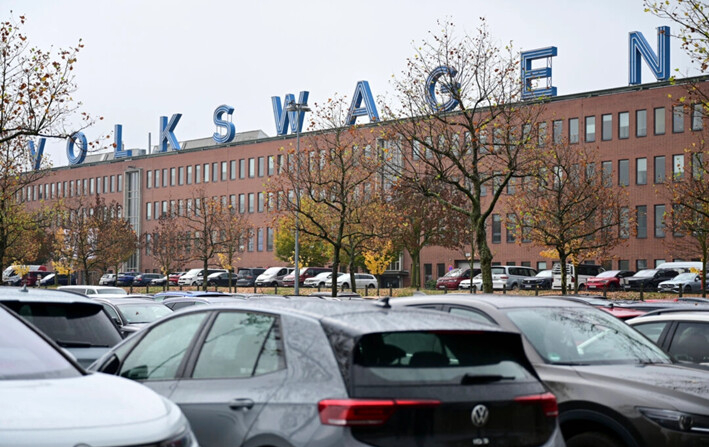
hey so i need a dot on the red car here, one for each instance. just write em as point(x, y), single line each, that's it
point(173, 277)
point(609, 280)
point(305, 273)
point(452, 279)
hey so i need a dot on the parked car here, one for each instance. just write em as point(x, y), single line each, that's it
point(273, 276)
point(174, 277)
point(615, 388)
point(362, 281)
point(305, 273)
point(372, 376)
point(144, 279)
point(160, 281)
point(320, 279)
point(221, 279)
point(131, 314)
point(180, 302)
point(50, 400)
point(246, 277)
point(91, 291)
point(509, 277)
point(649, 279)
point(74, 322)
point(125, 279)
point(56, 279)
point(688, 282)
point(452, 279)
point(11, 277)
point(583, 272)
point(193, 277)
point(540, 281)
point(683, 334)
point(107, 279)
point(609, 280)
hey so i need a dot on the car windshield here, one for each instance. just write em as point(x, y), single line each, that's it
point(583, 336)
point(685, 277)
point(454, 273)
point(498, 271)
point(143, 312)
point(645, 273)
point(25, 355)
point(272, 271)
point(544, 274)
point(112, 291)
point(608, 274)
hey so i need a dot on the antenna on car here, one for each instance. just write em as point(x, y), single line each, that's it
point(24, 288)
point(384, 303)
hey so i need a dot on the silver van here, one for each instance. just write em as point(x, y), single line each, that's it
point(273, 276)
point(507, 277)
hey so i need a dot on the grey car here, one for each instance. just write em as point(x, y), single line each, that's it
point(615, 387)
point(131, 314)
point(688, 282)
point(307, 372)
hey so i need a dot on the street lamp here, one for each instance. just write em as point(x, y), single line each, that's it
point(299, 109)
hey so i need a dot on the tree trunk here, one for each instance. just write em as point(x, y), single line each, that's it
point(353, 284)
point(705, 249)
point(416, 269)
point(562, 261)
point(335, 270)
point(485, 258)
point(204, 275)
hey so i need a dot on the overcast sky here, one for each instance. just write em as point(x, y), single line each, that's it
point(149, 58)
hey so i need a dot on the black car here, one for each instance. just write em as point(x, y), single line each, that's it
point(541, 281)
point(319, 373)
point(246, 277)
point(615, 387)
point(52, 279)
point(648, 279)
point(76, 323)
point(221, 279)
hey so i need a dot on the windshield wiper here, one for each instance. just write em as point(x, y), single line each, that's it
point(78, 344)
point(472, 379)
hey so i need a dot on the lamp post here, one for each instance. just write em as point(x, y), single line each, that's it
point(298, 108)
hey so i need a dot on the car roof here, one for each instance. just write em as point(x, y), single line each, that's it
point(496, 301)
point(190, 293)
point(359, 317)
point(677, 315)
point(129, 300)
point(34, 295)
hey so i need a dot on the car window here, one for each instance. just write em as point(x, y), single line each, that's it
point(472, 314)
point(143, 312)
point(111, 313)
point(240, 345)
point(180, 304)
point(691, 342)
point(160, 352)
point(652, 330)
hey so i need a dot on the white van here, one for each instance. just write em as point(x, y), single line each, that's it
point(33, 275)
point(585, 271)
point(681, 266)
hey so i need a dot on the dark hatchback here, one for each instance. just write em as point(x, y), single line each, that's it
point(540, 281)
point(615, 387)
point(323, 373)
point(246, 277)
point(649, 279)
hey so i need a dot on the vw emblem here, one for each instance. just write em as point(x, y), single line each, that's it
point(479, 415)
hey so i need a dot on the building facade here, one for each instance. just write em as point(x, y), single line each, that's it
point(641, 133)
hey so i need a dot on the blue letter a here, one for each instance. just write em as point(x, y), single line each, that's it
point(362, 92)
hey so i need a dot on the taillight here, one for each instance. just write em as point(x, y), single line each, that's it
point(546, 400)
point(353, 412)
point(504, 277)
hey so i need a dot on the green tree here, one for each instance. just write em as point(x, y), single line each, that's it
point(313, 251)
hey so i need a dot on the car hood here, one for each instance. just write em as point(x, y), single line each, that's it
point(672, 386)
point(85, 402)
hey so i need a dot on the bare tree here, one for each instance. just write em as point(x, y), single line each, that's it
point(471, 141)
point(168, 243)
point(234, 230)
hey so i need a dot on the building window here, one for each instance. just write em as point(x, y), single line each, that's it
point(659, 220)
point(541, 265)
point(251, 202)
point(511, 228)
point(697, 165)
point(165, 179)
point(156, 175)
point(242, 203)
point(261, 166)
point(441, 267)
point(660, 169)
point(206, 173)
point(269, 239)
point(678, 119)
point(640, 264)
point(607, 127)
point(623, 264)
point(658, 262)
point(641, 123)
point(252, 167)
point(496, 229)
point(573, 130)
point(607, 167)
point(181, 175)
point(259, 239)
point(697, 117)
point(271, 165)
point(148, 211)
point(590, 129)
point(623, 125)
point(224, 171)
point(173, 176)
point(557, 130)
point(189, 175)
point(641, 171)
point(623, 172)
point(242, 168)
point(641, 224)
point(250, 246)
point(113, 183)
point(660, 121)
point(624, 230)
point(120, 183)
point(261, 202)
point(149, 179)
point(156, 209)
point(164, 208)
point(677, 167)
point(92, 185)
point(541, 134)
point(197, 174)
point(232, 170)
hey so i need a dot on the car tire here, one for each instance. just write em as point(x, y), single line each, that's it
point(613, 287)
point(345, 285)
point(274, 284)
point(514, 286)
point(593, 439)
point(687, 289)
point(371, 286)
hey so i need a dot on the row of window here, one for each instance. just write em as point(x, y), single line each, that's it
point(73, 188)
point(214, 172)
point(659, 170)
point(261, 239)
point(247, 203)
point(641, 225)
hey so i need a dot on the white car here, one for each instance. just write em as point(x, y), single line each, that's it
point(362, 280)
point(96, 291)
point(320, 280)
point(49, 401)
point(507, 277)
point(682, 332)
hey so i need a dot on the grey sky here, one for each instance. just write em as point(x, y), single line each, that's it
point(144, 59)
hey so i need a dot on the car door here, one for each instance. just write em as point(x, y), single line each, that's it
point(157, 360)
point(690, 342)
point(239, 365)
